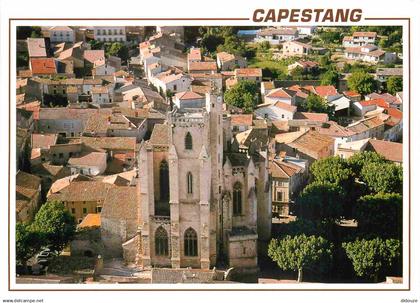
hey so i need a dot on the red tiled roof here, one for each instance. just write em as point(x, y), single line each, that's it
point(245, 119)
point(248, 72)
point(392, 151)
point(281, 93)
point(202, 66)
point(188, 95)
point(379, 102)
point(91, 220)
point(364, 34)
point(326, 90)
point(43, 66)
point(285, 106)
point(320, 117)
point(94, 55)
point(393, 112)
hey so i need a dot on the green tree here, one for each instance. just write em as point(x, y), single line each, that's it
point(394, 84)
point(380, 214)
point(244, 95)
point(330, 36)
point(297, 73)
point(325, 60)
point(321, 201)
point(28, 242)
point(95, 44)
point(317, 104)
point(383, 177)
point(56, 223)
point(300, 252)
point(330, 77)
point(304, 227)
point(370, 257)
point(361, 82)
point(117, 49)
point(233, 45)
point(359, 160)
point(332, 170)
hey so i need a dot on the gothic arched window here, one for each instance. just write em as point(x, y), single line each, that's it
point(189, 183)
point(188, 141)
point(237, 199)
point(161, 242)
point(164, 180)
point(190, 243)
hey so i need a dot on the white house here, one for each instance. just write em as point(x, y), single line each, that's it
point(170, 81)
point(90, 164)
point(189, 99)
point(109, 33)
point(283, 95)
point(102, 68)
point(277, 35)
point(369, 53)
point(359, 39)
point(60, 34)
point(100, 95)
point(277, 111)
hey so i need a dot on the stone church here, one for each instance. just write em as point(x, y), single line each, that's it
point(203, 199)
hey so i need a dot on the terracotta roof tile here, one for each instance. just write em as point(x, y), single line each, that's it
point(91, 220)
point(392, 151)
point(43, 66)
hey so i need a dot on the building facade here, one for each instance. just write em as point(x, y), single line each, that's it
point(198, 199)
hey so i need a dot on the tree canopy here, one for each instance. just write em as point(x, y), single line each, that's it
point(383, 177)
point(370, 257)
point(244, 95)
point(28, 242)
point(116, 49)
point(300, 252)
point(56, 223)
point(321, 201)
point(317, 104)
point(359, 160)
point(361, 82)
point(380, 215)
point(394, 84)
point(332, 170)
point(330, 77)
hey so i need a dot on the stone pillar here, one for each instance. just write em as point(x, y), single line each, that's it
point(176, 239)
point(205, 195)
point(147, 201)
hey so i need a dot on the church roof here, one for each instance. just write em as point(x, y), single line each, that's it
point(159, 135)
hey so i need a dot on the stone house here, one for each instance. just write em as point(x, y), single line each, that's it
point(61, 34)
point(82, 197)
point(28, 194)
point(287, 179)
point(306, 144)
point(89, 164)
point(119, 217)
point(250, 74)
point(226, 61)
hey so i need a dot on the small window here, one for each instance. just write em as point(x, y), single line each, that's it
point(189, 183)
point(73, 211)
point(279, 196)
point(84, 210)
point(237, 199)
point(188, 141)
